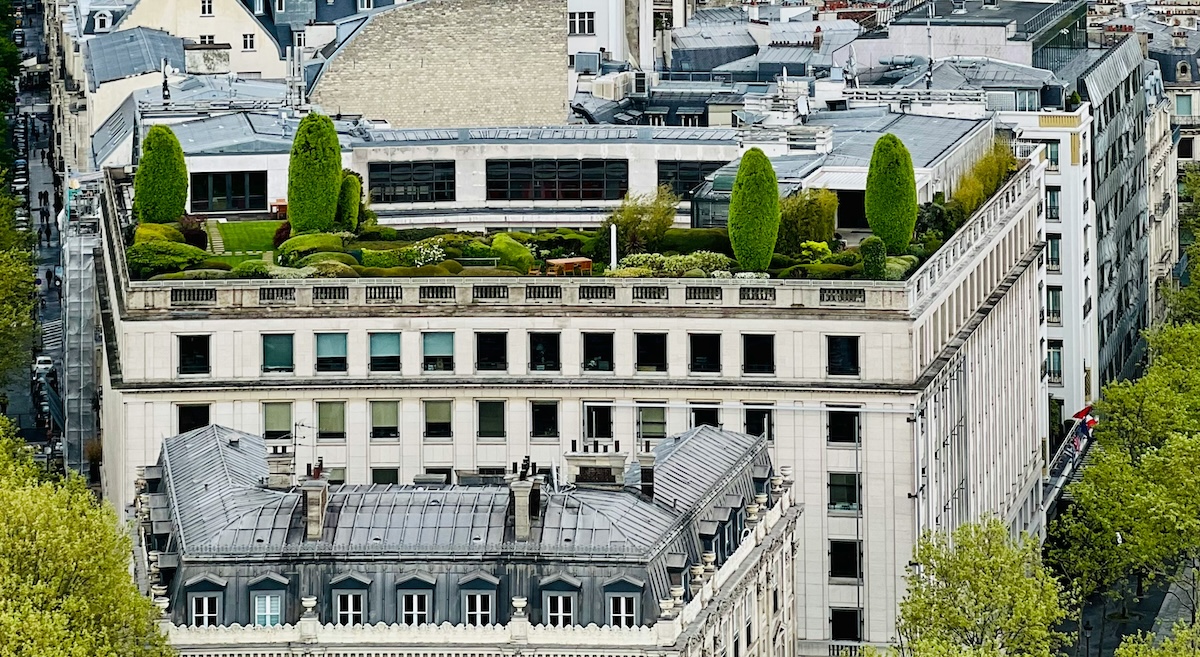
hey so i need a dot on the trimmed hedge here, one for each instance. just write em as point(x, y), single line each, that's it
point(452, 266)
point(690, 240)
point(486, 271)
point(874, 255)
point(630, 272)
point(161, 182)
point(849, 257)
point(891, 196)
point(300, 246)
point(314, 175)
point(326, 256)
point(808, 216)
point(157, 232)
point(252, 269)
point(820, 271)
point(349, 198)
point(754, 212)
point(214, 264)
point(418, 234)
point(159, 257)
point(193, 275)
point(390, 258)
point(512, 253)
point(379, 233)
point(330, 269)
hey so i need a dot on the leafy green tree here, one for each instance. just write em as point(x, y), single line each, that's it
point(314, 176)
point(754, 212)
point(65, 589)
point(349, 201)
point(642, 221)
point(17, 297)
point(161, 182)
point(807, 216)
point(891, 196)
point(874, 255)
point(982, 592)
point(1184, 641)
point(10, 58)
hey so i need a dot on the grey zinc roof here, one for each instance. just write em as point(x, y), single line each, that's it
point(228, 133)
point(114, 131)
point(689, 466)
point(980, 73)
point(712, 36)
point(1116, 64)
point(719, 15)
point(127, 53)
point(855, 132)
point(196, 88)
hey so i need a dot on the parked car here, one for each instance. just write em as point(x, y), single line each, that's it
point(18, 37)
point(43, 365)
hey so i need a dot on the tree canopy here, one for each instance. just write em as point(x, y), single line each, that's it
point(754, 212)
point(807, 216)
point(642, 221)
point(161, 183)
point(314, 176)
point(349, 201)
point(1184, 641)
point(891, 196)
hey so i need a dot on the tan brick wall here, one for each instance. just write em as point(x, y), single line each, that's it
point(461, 63)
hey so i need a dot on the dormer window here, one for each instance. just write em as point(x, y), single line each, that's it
point(560, 597)
point(103, 21)
point(1185, 73)
point(205, 599)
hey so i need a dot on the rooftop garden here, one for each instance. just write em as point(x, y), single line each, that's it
point(331, 233)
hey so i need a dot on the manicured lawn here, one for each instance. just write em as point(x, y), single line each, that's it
point(248, 235)
point(234, 260)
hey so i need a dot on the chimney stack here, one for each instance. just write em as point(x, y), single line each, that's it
point(316, 496)
point(521, 490)
point(279, 470)
point(646, 463)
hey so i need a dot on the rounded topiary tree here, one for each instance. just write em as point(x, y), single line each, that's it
point(754, 212)
point(891, 197)
point(349, 200)
point(160, 185)
point(874, 255)
point(314, 176)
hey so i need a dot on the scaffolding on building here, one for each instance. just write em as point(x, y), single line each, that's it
point(81, 326)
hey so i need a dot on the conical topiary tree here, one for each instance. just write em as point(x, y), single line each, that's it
point(754, 212)
point(349, 200)
point(160, 185)
point(891, 197)
point(314, 176)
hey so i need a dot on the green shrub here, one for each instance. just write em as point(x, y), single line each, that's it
point(314, 175)
point(487, 271)
point(819, 271)
point(282, 234)
point(213, 264)
point(849, 257)
point(349, 198)
point(300, 246)
point(754, 212)
point(161, 182)
point(423, 270)
point(193, 275)
point(452, 252)
point(898, 267)
point(325, 256)
point(160, 232)
point(477, 249)
point(641, 220)
point(158, 257)
point(985, 177)
point(252, 269)
point(810, 252)
point(807, 216)
point(676, 265)
point(452, 266)
point(891, 196)
point(781, 261)
point(418, 234)
point(694, 273)
point(688, 240)
point(630, 272)
point(391, 258)
point(380, 233)
point(512, 253)
point(874, 255)
point(331, 269)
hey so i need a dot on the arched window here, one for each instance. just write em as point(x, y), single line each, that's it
point(1185, 72)
point(103, 21)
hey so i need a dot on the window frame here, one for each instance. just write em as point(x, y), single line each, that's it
point(280, 6)
point(203, 195)
point(248, 42)
point(768, 410)
point(841, 413)
point(425, 433)
point(179, 408)
point(330, 435)
point(858, 612)
point(291, 338)
point(331, 364)
point(491, 337)
point(643, 437)
point(683, 176)
point(392, 364)
point(479, 405)
point(696, 367)
point(548, 364)
point(389, 470)
point(632, 614)
point(208, 39)
point(589, 425)
point(214, 615)
point(403, 612)
point(185, 370)
point(651, 367)
point(557, 618)
point(274, 434)
point(854, 507)
point(483, 617)
point(388, 432)
point(206, 9)
point(563, 179)
point(533, 433)
point(255, 614)
point(339, 612)
point(437, 363)
point(835, 572)
point(757, 370)
point(587, 364)
point(420, 181)
point(847, 369)
point(693, 407)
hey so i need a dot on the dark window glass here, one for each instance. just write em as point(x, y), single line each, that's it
point(277, 353)
point(192, 416)
point(845, 624)
point(706, 415)
point(758, 354)
point(706, 352)
point(843, 491)
point(652, 352)
point(843, 355)
point(385, 475)
point(843, 427)
point(565, 180)
point(491, 419)
point(599, 421)
point(193, 354)
point(543, 352)
point(760, 421)
point(598, 352)
point(234, 190)
point(437, 419)
point(491, 351)
point(545, 419)
point(684, 176)
point(410, 182)
point(845, 559)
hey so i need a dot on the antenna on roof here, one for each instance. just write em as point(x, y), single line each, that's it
point(929, 37)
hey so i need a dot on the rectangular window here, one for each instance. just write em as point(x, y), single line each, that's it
point(1052, 155)
point(414, 608)
point(491, 419)
point(760, 421)
point(299, 38)
point(1053, 252)
point(560, 610)
point(247, 42)
point(758, 354)
point(206, 7)
point(192, 416)
point(438, 352)
point(331, 352)
point(845, 559)
point(652, 426)
point(845, 624)
point(843, 491)
point(385, 475)
point(843, 427)
point(385, 419)
point(707, 414)
point(258, 7)
point(193, 354)
point(543, 352)
point(478, 608)
point(364, 5)
point(1186, 148)
point(1054, 304)
point(410, 182)
point(277, 420)
point(337, 476)
point(1054, 368)
point(544, 419)
point(331, 420)
point(1183, 104)
point(205, 611)
point(385, 352)
point(437, 419)
point(598, 352)
point(230, 191)
point(350, 609)
point(491, 352)
point(557, 180)
point(1052, 209)
point(268, 609)
point(208, 39)
point(651, 352)
point(843, 355)
point(280, 6)
point(684, 176)
point(581, 23)
point(597, 421)
point(622, 611)
point(706, 352)
point(277, 353)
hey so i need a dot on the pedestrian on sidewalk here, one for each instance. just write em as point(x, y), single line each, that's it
point(3, 403)
point(58, 289)
point(41, 236)
point(50, 277)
